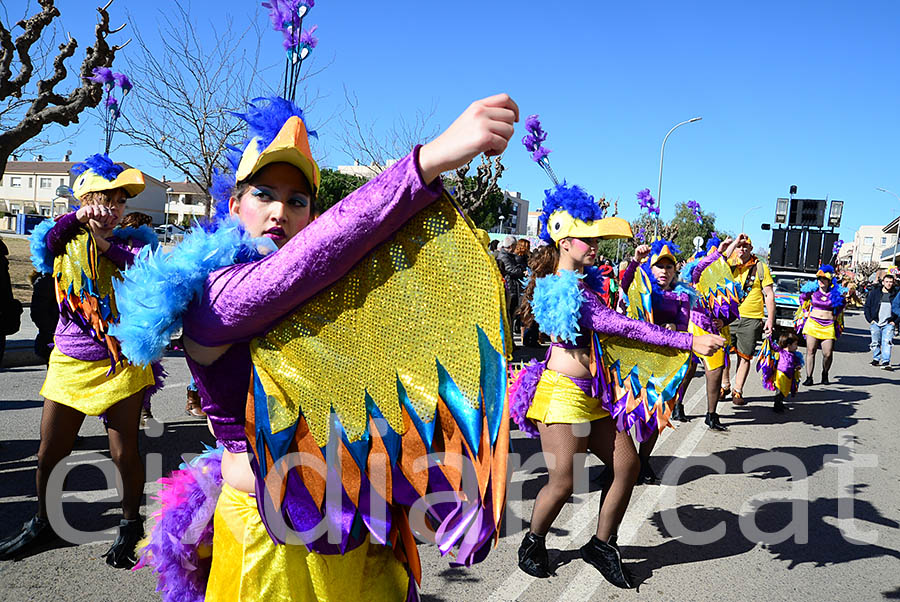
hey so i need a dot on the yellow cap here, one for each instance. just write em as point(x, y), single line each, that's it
point(130, 180)
point(561, 225)
point(291, 146)
point(664, 253)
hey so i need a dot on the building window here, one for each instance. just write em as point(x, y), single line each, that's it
point(884, 240)
point(46, 182)
point(29, 182)
point(15, 182)
point(15, 209)
point(45, 211)
point(867, 240)
point(62, 181)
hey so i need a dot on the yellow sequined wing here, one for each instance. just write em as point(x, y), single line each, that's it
point(420, 302)
point(640, 306)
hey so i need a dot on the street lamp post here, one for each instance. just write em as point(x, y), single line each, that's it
point(662, 152)
point(897, 229)
point(746, 213)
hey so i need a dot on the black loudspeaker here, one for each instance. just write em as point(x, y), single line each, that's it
point(813, 250)
point(792, 249)
point(776, 249)
point(828, 248)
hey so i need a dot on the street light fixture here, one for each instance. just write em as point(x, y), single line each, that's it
point(662, 151)
point(897, 229)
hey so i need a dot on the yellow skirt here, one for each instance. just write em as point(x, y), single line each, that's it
point(247, 565)
point(558, 400)
point(814, 329)
point(720, 357)
point(783, 383)
point(84, 385)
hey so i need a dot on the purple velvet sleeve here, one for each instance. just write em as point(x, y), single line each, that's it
point(121, 254)
point(223, 388)
point(242, 301)
point(627, 276)
point(65, 229)
point(599, 318)
point(703, 264)
point(804, 297)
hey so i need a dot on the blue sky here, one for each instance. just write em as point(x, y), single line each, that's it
point(801, 93)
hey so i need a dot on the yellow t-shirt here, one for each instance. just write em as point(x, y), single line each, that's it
point(752, 306)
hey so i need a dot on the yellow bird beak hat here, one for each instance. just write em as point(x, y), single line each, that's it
point(278, 134)
point(98, 173)
point(568, 210)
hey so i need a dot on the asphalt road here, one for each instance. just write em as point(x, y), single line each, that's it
point(815, 520)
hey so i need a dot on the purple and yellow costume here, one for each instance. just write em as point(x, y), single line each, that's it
point(87, 371)
point(812, 298)
point(780, 369)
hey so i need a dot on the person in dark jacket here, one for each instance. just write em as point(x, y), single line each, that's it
point(44, 313)
point(10, 308)
point(513, 271)
point(881, 311)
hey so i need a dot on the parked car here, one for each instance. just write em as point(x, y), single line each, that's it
point(787, 296)
point(169, 233)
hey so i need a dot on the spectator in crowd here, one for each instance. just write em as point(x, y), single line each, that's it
point(758, 305)
point(10, 308)
point(521, 253)
point(512, 272)
point(44, 313)
point(881, 311)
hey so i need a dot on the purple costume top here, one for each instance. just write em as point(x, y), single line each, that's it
point(823, 301)
point(243, 301)
point(71, 338)
point(601, 319)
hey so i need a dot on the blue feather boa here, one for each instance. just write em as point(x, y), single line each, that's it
point(836, 294)
point(556, 304)
point(155, 292)
point(142, 234)
point(41, 258)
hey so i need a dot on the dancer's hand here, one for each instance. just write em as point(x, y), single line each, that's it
point(641, 253)
point(102, 215)
point(724, 244)
point(485, 127)
point(707, 344)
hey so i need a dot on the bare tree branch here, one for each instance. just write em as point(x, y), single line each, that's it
point(47, 107)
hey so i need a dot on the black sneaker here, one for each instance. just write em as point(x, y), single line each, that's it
point(533, 556)
point(887, 367)
point(605, 557)
point(33, 534)
point(875, 363)
point(779, 404)
point(122, 553)
point(808, 382)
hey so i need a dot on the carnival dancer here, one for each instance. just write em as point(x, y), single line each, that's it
point(675, 304)
point(87, 374)
point(575, 400)
point(820, 318)
point(319, 333)
point(757, 315)
point(780, 366)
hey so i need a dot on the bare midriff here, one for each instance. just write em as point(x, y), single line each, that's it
point(571, 362)
point(236, 471)
point(821, 314)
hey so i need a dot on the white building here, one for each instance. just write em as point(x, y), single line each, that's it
point(32, 187)
point(185, 200)
point(870, 243)
point(891, 255)
point(517, 223)
point(364, 171)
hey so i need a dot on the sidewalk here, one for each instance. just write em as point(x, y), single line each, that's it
point(20, 346)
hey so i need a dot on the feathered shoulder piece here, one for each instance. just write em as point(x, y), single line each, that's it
point(41, 258)
point(144, 235)
point(156, 290)
point(687, 272)
point(810, 287)
point(556, 304)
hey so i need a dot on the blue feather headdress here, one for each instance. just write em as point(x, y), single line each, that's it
point(655, 249)
point(265, 116)
point(572, 199)
point(101, 165)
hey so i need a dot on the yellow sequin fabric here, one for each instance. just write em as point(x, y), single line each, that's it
point(416, 300)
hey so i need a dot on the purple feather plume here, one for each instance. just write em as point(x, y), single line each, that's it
point(123, 82)
point(521, 394)
point(647, 202)
point(102, 75)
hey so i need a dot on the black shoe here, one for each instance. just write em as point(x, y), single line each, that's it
point(678, 413)
point(647, 476)
point(875, 363)
point(33, 534)
point(712, 421)
point(533, 556)
point(779, 404)
point(605, 557)
point(808, 382)
point(121, 554)
point(825, 380)
point(887, 367)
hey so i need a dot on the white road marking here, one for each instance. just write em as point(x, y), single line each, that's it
point(584, 520)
